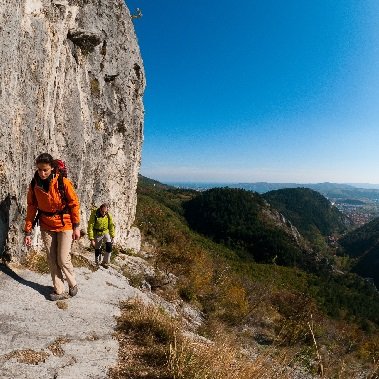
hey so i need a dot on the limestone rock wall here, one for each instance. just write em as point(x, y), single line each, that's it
point(72, 82)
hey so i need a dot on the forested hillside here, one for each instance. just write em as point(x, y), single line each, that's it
point(313, 215)
point(260, 304)
point(362, 245)
point(243, 221)
point(358, 241)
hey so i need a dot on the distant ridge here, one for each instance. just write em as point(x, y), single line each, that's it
point(152, 183)
point(262, 187)
point(335, 191)
point(365, 185)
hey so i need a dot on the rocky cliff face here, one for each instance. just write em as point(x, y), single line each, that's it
point(72, 82)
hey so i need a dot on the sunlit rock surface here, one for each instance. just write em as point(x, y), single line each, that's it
point(72, 82)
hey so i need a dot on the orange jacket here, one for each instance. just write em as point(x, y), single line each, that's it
point(51, 201)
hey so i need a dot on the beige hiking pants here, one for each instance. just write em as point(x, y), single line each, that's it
point(58, 246)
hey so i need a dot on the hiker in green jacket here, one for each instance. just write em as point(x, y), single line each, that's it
point(101, 229)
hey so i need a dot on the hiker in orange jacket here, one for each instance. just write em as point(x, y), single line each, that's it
point(53, 201)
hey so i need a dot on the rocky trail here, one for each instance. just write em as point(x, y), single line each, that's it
point(73, 338)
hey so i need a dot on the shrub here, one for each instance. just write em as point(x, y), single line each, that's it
point(37, 262)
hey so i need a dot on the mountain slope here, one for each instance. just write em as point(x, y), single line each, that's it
point(259, 304)
point(311, 213)
point(243, 221)
point(362, 244)
point(358, 241)
point(368, 265)
point(330, 190)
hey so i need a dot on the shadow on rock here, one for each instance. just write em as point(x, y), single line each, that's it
point(43, 290)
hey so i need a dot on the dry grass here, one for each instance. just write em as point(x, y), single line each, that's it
point(61, 304)
point(27, 356)
point(56, 346)
point(79, 260)
point(144, 334)
point(37, 262)
point(135, 279)
point(153, 345)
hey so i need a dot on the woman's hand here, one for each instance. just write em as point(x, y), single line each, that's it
point(76, 234)
point(93, 243)
point(28, 241)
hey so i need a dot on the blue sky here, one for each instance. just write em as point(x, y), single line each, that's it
point(269, 90)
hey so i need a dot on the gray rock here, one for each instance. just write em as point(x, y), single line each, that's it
point(40, 340)
point(72, 82)
point(135, 265)
point(192, 314)
point(134, 240)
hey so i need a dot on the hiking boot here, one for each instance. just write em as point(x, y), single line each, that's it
point(73, 290)
point(55, 296)
point(105, 265)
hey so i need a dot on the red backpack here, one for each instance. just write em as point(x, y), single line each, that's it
point(61, 167)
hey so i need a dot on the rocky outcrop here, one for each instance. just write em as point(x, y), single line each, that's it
point(72, 82)
point(274, 217)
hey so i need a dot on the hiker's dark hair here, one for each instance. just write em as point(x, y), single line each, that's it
point(59, 167)
point(104, 205)
point(45, 158)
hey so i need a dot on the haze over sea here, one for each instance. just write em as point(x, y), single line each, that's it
point(263, 186)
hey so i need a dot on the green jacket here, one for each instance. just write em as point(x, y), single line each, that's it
point(98, 225)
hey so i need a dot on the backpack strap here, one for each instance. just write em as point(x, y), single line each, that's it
point(61, 189)
point(96, 217)
point(62, 192)
point(96, 214)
